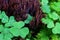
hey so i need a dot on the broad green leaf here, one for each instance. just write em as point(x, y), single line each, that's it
point(45, 8)
point(50, 24)
point(1, 28)
point(54, 15)
point(15, 31)
point(23, 32)
point(12, 19)
point(19, 24)
point(56, 29)
point(5, 19)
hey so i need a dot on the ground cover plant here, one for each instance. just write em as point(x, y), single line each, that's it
point(10, 28)
point(29, 19)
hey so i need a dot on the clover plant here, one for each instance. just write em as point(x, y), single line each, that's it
point(52, 11)
point(9, 27)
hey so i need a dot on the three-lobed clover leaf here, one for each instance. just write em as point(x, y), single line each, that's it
point(56, 29)
point(54, 15)
point(46, 20)
point(10, 22)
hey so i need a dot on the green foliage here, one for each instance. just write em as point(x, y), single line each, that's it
point(45, 7)
point(52, 19)
point(50, 23)
point(45, 34)
point(53, 15)
point(54, 37)
point(10, 22)
point(23, 32)
point(9, 27)
point(42, 35)
point(55, 6)
point(56, 29)
point(19, 24)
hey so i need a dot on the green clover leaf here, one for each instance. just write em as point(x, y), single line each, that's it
point(54, 15)
point(15, 31)
point(46, 20)
point(5, 19)
point(19, 24)
point(10, 22)
point(23, 32)
point(45, 8)
point(56, 29)
point(50, 24)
